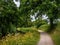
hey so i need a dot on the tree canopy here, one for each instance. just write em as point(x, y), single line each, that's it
point(20, 17)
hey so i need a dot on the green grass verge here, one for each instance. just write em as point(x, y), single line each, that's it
point(29, 38)
point(30, 29)
point(56, 35)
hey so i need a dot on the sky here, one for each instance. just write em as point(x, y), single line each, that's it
point(17, 3)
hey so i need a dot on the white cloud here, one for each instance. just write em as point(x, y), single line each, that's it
point(44, 17)
point(33, 18)
point(17, 3)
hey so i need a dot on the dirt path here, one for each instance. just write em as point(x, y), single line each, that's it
point(45, 39)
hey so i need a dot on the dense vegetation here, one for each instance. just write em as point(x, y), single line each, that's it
point(56, 35)
point(29, 38)
point(15, 19)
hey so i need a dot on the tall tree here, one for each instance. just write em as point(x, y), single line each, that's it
point(49, 7)
point(8, 16)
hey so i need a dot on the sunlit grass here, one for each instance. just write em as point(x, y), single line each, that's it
point(29, 38)
point(44, 27)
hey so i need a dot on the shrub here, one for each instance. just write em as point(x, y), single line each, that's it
point(25, 30)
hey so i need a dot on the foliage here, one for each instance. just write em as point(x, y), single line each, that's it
point(25, 30)
point(40, 23)
point(19, 39)
point(44, 27)
point(48, 7)
point(56, 35)
point(8, 17)
point(20, 17)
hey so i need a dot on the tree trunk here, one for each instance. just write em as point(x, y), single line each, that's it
point(51, 25)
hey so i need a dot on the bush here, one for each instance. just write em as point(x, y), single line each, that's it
point(44, 27)
point(25, 30)
point(5, 29)
point(12, 29)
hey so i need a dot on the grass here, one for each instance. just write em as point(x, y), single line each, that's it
point(30, 29)
point(56, 35)
point(44, 27)
point(31, 37)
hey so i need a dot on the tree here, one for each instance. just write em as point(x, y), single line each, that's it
point(8, 16)
point(48, 7)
